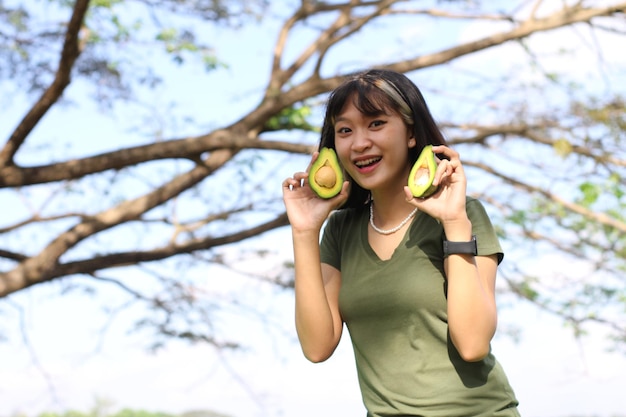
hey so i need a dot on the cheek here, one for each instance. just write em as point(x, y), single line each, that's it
point(343, 152)
point(346, 164)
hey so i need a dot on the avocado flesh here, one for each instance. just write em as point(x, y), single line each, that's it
point(325, 176)
point(423, 173)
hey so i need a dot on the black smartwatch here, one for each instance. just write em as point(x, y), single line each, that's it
point(468, 248)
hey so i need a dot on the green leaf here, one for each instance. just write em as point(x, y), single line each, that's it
point(291, 118)
point(591, 192)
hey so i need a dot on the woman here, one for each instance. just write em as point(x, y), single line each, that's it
point(420, 319)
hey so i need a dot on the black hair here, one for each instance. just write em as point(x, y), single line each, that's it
point(374, 92)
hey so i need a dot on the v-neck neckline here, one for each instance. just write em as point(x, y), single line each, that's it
point(370, 250)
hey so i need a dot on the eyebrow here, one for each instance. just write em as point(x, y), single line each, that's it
point(377, 114)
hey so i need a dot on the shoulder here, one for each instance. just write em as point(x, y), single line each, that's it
point(341, 228)
point(471, 201)
point(475, 208)
point(345, 220)
point(347, 215)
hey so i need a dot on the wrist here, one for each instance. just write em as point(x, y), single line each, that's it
point(305, 233)
point(458, 230)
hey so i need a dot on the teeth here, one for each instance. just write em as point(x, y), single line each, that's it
point(366, 162)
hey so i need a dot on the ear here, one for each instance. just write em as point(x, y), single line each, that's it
point(412, 142)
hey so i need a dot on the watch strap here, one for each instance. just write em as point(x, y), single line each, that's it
point(469, 248)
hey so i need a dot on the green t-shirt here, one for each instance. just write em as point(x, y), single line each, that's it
point(395, 311)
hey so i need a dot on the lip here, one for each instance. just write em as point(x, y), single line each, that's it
point(368, 168)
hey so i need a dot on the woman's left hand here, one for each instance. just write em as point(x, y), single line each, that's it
point(448, 203)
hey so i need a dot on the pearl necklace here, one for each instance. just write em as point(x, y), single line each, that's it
point(394, 229)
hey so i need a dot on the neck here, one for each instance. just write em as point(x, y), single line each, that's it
point(390, 208)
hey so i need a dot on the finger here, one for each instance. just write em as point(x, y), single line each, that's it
point(290, 183)
point(343, 194)
point(345, 188)
point(448, 152)
point(301, 177)
point(442, 171)
point(408, 195)
point(298, 180)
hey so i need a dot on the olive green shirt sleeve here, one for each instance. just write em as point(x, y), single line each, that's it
point(330, 251)
point(486, 237)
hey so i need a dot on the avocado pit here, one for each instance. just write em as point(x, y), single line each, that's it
point(325, 177)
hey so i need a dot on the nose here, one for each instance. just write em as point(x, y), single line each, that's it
point(361, 140)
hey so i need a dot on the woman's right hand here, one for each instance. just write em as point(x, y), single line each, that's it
point(307, 211)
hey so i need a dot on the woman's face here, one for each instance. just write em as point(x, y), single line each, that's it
point(373, 149)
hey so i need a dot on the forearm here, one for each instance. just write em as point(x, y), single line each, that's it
point(472, 315)
point(315, 324)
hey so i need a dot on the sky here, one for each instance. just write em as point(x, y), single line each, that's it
point(58, 358)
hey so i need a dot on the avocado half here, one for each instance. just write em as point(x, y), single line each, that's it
point(423, 173)
point(325, 175)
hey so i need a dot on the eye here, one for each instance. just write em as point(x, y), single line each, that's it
point(378, 123)
point(342, 130)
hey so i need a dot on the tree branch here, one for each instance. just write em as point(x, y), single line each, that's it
point(41, 267)
point(600, 218)
point(563, 17)
point(315, 85)
point(187, 148)
point(21, 278)
point(71, 51)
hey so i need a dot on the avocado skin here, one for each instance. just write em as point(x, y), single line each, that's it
point(425, 161)
point(327, 158)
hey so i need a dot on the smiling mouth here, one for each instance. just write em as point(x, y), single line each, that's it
point(367, 162)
